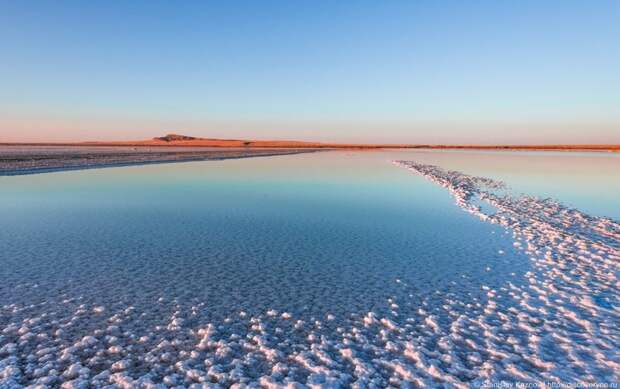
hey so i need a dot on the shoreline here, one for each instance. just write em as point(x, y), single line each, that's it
point(261, 145)
point(38, 163)
point(38, 158)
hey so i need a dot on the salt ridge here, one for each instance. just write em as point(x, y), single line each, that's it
point(564, 324)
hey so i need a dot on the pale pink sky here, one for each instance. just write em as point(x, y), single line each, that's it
point(55, 129)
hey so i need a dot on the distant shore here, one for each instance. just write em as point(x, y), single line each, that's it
point(174, 140)
point(32, 158)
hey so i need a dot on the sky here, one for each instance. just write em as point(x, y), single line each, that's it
point(478, 72)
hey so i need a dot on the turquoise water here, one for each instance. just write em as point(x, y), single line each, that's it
point(322, 233)
point(325, 237)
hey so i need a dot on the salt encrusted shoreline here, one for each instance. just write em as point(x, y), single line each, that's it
point(20, 160)
point(560, 325)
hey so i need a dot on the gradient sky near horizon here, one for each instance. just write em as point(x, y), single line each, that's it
point(361, 71)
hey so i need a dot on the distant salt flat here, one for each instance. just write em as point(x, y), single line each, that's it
point(18, 160)
point(301, 272)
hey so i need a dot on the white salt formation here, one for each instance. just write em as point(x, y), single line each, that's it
point(559, 324)
point(565, 325)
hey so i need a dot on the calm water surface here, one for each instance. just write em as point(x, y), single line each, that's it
point(310, 234)
point(326, 236)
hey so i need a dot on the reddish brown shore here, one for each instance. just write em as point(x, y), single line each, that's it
point(188, 141)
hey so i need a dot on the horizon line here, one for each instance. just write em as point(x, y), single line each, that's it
point(175, 140)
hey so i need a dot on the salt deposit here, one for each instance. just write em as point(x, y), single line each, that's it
point(563, 326)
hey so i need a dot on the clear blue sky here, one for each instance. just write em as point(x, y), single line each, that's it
point(367, 71)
